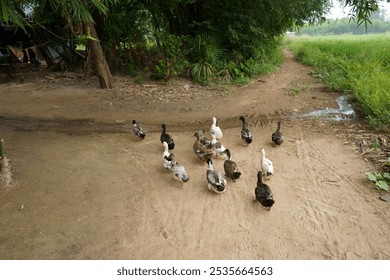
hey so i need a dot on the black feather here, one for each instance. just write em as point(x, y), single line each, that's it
point(263, 193)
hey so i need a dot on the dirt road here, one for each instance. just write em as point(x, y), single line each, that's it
point(86, 189)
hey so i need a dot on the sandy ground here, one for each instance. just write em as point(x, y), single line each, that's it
point(86, 189)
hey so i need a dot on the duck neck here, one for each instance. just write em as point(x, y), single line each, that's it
point(278, 127)
point(243, 123)
point(213, 139)
point(227, 152)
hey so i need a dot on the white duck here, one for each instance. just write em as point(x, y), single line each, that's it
point(218, 147)
point(167, 157)
point(216, 182)
point(216, 129)
point(178, 171)
point(266, 165)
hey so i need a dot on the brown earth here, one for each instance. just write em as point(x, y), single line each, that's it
point(84, 188)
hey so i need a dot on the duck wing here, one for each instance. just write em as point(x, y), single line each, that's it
point(277, 137)
point(231, 169)
point(201, 151)
point(216, 179)
point(179, 172)
point(137, 130)
point(264, 195)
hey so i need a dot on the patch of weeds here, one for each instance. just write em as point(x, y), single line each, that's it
point(376, 145)
point(381, 180)
point(138, 81)
point(298, 88)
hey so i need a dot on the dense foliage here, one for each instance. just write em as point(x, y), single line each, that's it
point(357, 64)
point(228, 40)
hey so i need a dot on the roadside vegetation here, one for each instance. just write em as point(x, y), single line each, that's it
point(358, 66)
point(206, 41)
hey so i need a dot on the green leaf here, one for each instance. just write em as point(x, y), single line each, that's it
point(383, 185)
point(386, 175)
point(5, 11)
point(371, 176)
point(378, 175)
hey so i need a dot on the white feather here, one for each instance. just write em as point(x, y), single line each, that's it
point(266, 165)
point(216, 129)
point(166, 162)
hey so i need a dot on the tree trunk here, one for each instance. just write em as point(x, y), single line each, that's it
point(102, 69)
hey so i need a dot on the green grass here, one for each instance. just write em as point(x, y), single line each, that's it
point(357, 64)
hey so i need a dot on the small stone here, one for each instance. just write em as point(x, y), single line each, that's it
point(386, 197)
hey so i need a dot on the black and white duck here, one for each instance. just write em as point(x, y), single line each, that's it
point(230, 167)
point(165, 137)
point(202, 152)
point(178, 171)
point(167, 157)
point(266, 165)
point(216, 182)
point(137, 130)
point(263, 193)
point(246, 135)
point(277, 136)
point(216, 129)
point(218, 147)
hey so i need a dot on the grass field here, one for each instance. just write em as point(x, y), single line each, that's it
point(354, 64)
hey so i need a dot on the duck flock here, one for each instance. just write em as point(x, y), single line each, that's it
point(205, 150)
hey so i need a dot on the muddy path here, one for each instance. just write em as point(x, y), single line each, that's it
point(86, 189)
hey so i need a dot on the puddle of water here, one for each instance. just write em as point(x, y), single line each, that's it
point(345, 111)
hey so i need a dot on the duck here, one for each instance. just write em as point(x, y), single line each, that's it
point(277, 136)
point(216, 182)
point(178, 171)
point(230, 167)
point(167, 157)
point(246, 135)
point(202, 152)
point(165, 137)
point(218, 147)
point(266, 165)
point(137, 130)
point(263, 193)
point(216, 129)
point(203, 139)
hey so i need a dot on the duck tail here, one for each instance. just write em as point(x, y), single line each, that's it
point(186, 179)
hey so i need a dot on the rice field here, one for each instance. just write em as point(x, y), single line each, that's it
point(358, 65)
